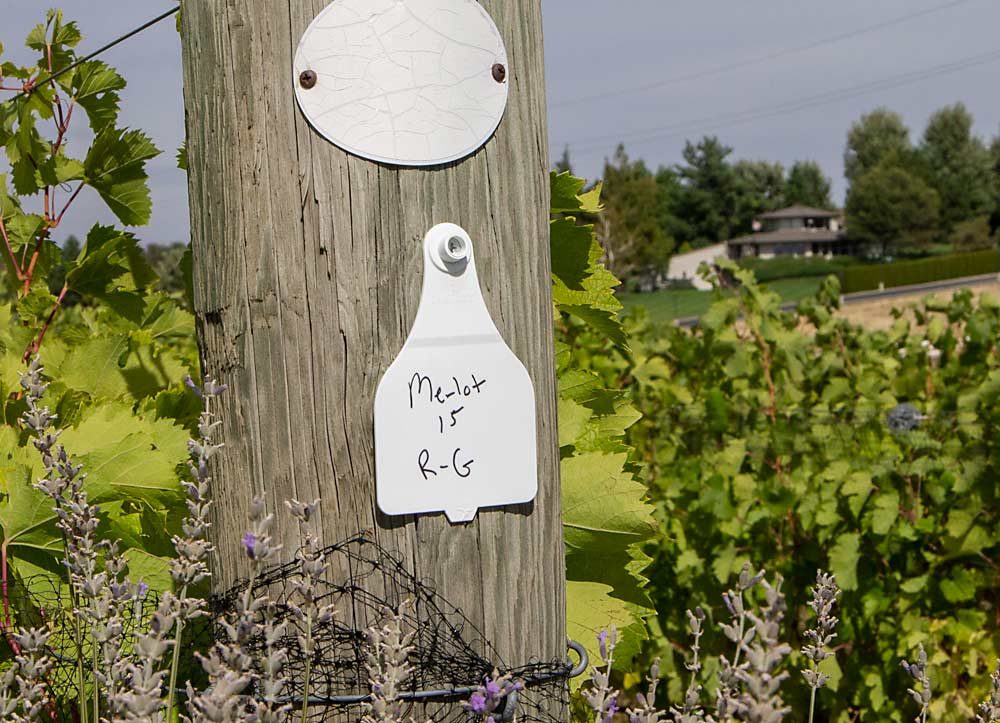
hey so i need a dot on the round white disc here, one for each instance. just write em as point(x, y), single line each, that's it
point(405, 82)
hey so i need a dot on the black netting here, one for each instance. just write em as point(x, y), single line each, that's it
point(44, 601)
point(449, 653)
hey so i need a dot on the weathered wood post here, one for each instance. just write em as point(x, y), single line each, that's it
point(307, 274)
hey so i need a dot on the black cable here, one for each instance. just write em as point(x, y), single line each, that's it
point(764, 112)
point(719, 70)
point(103, 49)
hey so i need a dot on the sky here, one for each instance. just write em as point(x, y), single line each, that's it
point(778, 80)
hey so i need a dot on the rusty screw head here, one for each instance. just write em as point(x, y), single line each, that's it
point(499, 72)
point(307, 79)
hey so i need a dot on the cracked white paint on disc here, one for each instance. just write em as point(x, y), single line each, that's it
point(405, 82)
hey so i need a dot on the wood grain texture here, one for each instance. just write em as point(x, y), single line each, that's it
point(307, 278)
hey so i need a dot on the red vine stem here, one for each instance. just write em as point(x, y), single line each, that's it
point(35, 345)
point(62, 213)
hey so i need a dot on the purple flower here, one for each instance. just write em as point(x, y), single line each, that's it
point(477, 702)
point(190, 383)
point(610, 709)
point(250, 542)
point(602, 640)
point(141, 589)
point(493, 689)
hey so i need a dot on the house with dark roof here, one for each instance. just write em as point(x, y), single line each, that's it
point(793, 231)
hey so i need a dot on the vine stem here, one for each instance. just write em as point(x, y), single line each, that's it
point(36, 343)
point(175, 662)
point(308, 670)
point(812, 695)
point(743, 618)
point(72, 198)
point(81, 678)
point(97, 687)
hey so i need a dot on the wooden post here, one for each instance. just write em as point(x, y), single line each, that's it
point(307, 270)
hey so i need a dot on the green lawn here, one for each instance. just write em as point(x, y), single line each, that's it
point(669, 304)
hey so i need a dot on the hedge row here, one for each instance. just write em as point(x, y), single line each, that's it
point(868, 277)
point(795, 267)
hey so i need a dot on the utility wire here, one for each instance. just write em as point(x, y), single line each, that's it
point(91, 56)
point(757, 60)
point(769, 111)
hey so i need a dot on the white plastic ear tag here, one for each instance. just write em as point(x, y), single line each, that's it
point(455, 412)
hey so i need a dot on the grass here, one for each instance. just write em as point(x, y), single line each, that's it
point(676, 304)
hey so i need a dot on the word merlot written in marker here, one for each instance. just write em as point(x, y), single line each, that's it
point(455, 411)
point(452, 398)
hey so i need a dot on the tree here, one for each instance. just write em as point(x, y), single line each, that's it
point(710, 190)
point(958, 166)
point(808, 186)
point(973, 235)
point(891, 207)
point(995, 187)
point(564, 164)
point(630, 228)
point(167, 261)
point(668, 211)
point(760, 187)
point(873, 137)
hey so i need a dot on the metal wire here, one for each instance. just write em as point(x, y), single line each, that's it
point(103, 49)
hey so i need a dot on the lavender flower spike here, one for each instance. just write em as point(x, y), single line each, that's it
point(918, 671)
point(488, 701)
point(824, 599)
point(602, 699)
point(989, 709)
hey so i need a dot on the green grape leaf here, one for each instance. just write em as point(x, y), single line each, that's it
point(95, 87)
point(604, 515)
point(959, 587)
point(572, 247)
point(26, 149)
point(116, 169)
point(26, 514)
point(573, 418)
point(34, 308)
point(844, 556)
point(182, 157)
point(568, 195)
point(95, 367)
point(591, 608)
point(126, 456)
point(885, 513)
point(110, 261)
point(603, 321)
point(150, 569)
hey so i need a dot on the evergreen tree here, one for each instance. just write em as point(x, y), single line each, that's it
point(760, 187)
point(710, 192)
point(564, 165)
point(808, 186)
point(629, 228)
point(668, 211)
